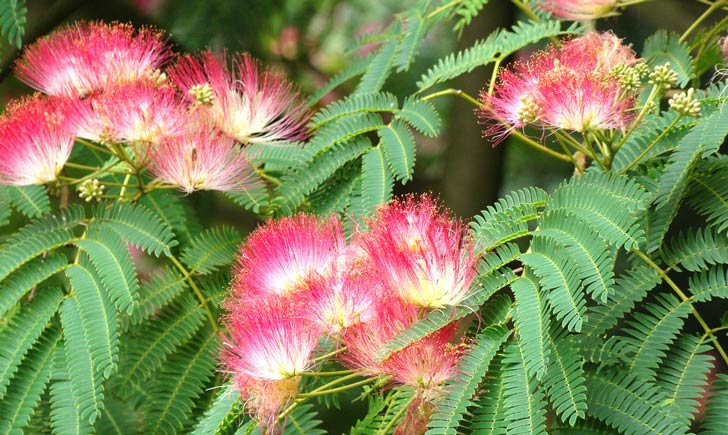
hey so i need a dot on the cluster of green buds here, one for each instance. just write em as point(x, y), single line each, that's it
point(630, 77)
point(685, 103)
point(663, 76)
point(202, 93)
point(91, 189)
point(528, 111)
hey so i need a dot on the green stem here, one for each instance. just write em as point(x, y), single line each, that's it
point(683, 297)
point(543, 148)
point(396, 417)
point(651, 145)
point(442, 9)
point(198, 293)
point(653, 93)
point(321, 374)
point(715, 6)
point(93, 146)
point(318, 393)
point(494, 75)
point(456, 92)
point(328, 355)
point(94, 168)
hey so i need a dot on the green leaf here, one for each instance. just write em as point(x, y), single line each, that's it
point(708, 194)
point(223, 414)
point(532, 325)
point(379, 68)
point(303, 421)
point(66, 408)
point(22, 330)
point(415, 25)
point(489, 414)
point(629, 404)
point(28, 384)
point(421, 115)
point(377, 182)
point(84, 390)
point(174, 211)
point(467, 10)
point(709, 284)
point(211, 249)
point(376, 102)
point(356, 67)
point(114, 265)
point(32, 201)
point(12, 21)
point(253, 198)
point(714, 422)
point(136, 224)
point(666, 47)
point(683, 376)
point(117, 418)
point(524, 405)
point(279, 156)
point(398, 145)
point(459, 391)
point(28, 277)
point(564, 380)
point(179, 383)
point(696, 250)
point(154, 294)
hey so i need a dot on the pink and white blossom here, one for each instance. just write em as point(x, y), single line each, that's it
point(578, 9)
point(89, 57)
point(247, 102)
point(35, 140)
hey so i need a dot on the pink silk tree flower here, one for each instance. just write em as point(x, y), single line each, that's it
point(35, 140)
point(596, 52)
point(277, 259)
point(247, 102)
point(265, 350)
point(343, 295)
point(202, 159)
point(89, 57)
point(132, 112)
point(578, 9)
point(421, 253)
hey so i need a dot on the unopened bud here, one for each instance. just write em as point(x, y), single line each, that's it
point(528, 111)
point(685, 103)
point(202, 93)
point(663, 76)
point(91, 189)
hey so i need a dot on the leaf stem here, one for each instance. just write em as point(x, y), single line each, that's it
point(318, 393)
point(543, 148)
point(653, 92)
point(198, 293)
point(442, 9)
point(396, 416)
point(715, 6)
point(452, 91)
point(321, 374)
point(683, 297)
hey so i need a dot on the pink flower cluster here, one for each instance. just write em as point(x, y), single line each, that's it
point(297, 280)
point(109, 83)
point(571, 87)
point(578, 9)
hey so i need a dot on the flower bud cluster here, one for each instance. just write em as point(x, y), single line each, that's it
point(90, 190)
point(664, 77)
point(111, 84)
point(578, 9)
point(297, 280)
point(685, 103)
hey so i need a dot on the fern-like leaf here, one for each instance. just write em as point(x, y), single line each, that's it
point(709, 284)
point(213, 248)
point(27, 277)
point(28, 385)
point(489, 415)
point(174, 211)
point(303, 421)
point(22, 330)
point(714, 422)
point(666, 47)
point(532, 325)
point(683, 376)
point(32, 201)
point(279, 156)
point(253, 198)
point(155, 294)
point(709, 195)
point(415, 24)
point(355, 68)
point(629, 404)
point(564, 380)
point(467, 10)
point(180, 382)
point(376, 102)
point(114, 265)
point(376, 184)
point(139, 226)
point(223, 414)
point(66, 409)
point(117, 418)
point(398, 145)
point(696, 250)
point(653, 331)
point(451, 406)
point(421, 115)
point(12, 21)
point(525, 408)
point(379, 69)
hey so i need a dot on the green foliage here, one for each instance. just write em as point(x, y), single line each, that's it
point(12, 21)
point(666, 47)
point(136, 224)
point(524, 405)
point(532, 326)
point(714, 422)
point(223, 414)
point(32, 201)
point(211, 249)
point(466, 11)
point(564, 380)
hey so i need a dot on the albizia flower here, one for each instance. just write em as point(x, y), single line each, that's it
point(421, 253)
point(35, 140)
point(266, 350)
point(424, 365)
point(202, 159)
point(249, 103)
point(341, 296)
point(132, 112)
point(567, 88)
point(578, 9)
point(278, 258)
point(87, 57)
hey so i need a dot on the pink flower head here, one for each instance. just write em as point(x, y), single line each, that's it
point(249, 103)
point(342, 296)
point(578, 9)
point(132, 112)
point(278, 258)
point(35, 140)
point(424, 365)
point(266, 399)
point(596, 52)
point(421, 253)
point(202, 159)
point(88, 57)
